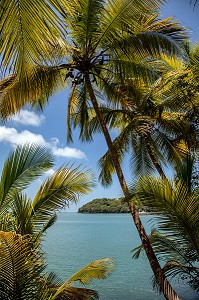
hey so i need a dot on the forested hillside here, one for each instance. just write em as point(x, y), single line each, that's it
point(104, 205)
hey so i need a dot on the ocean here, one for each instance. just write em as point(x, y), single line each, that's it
point(77, 239)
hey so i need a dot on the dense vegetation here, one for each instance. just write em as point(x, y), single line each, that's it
point(104, 205)
point(23, 223)
point(129, 71)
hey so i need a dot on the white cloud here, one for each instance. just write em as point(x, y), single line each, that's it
point(14, 138)
point(27, 117)
point(68, 152)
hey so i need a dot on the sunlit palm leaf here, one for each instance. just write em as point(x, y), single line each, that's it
point(98, 269)
point(14, 94)
point(23, 166)
point(20, 267)
point(24, 24)
point(63, 187)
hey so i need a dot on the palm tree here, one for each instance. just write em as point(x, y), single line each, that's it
point(176, 238)
point(104, 40)
point(156, 133)
point(178, 87)
point(23, 222)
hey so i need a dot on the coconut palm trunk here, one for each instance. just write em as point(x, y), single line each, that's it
point(161, 279)
point(155, 160)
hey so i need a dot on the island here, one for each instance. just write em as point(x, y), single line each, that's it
point(110, 206)
point(104, 205)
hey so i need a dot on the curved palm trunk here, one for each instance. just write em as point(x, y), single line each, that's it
point(154, 160)
point(161, 279)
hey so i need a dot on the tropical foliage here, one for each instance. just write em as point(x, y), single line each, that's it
point(22, 223)
point(90, 45)
point(176, 236)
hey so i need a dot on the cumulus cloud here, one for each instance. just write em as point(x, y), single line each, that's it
point(68, 152)
point(27, 117)
point(14, 138)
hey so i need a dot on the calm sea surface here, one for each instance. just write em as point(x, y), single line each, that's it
point(77, 239)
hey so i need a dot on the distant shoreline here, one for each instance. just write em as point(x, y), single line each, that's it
point(109, 206)
point(119, 213)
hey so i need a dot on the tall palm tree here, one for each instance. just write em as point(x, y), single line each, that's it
point(176, 237)
point(23, 222)
point(155, 133)
point(104, 40)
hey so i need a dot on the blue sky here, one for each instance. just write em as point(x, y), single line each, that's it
point(49, 128)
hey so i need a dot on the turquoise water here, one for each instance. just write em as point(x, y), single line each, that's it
point(77, 239)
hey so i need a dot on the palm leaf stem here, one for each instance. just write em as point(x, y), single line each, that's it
point(161, 279)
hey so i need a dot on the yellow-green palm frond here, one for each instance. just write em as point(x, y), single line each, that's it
point(78, 112)
point(21, 209)
point(194, 57)
point(32, 90)
point(177, 206)
point(57, 191)
point(98, 269)
point(67, 9)
point(20, 267)
point(24, 24)
point(22, 166)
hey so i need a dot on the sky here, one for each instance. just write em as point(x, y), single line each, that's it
point(49, 128)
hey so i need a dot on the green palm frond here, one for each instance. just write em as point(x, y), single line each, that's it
point(117, 13)
point(178, 208)
point(87, 21)
point(189, 273)
point(22, 166)
point(79, 112)
point(21, 210)
point(194, 57)
point(72, 107)
point(121, 145)
point(64, 186)
point(98, 269)
point(20, 267)
point(24, 24)
point(140, 160)
point(34, 89)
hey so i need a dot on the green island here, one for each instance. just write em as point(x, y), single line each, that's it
point(108, 206)
point(104, 205)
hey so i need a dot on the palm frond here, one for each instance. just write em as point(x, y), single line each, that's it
point(22, 167)
point(23, 28)
point(140, 160)
point(20, 267)
point(31, 90)
point(117, 13)
point(178, 208)
point(98, 269)
point(21, 210)
point(57, 191)
point(85, 25)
